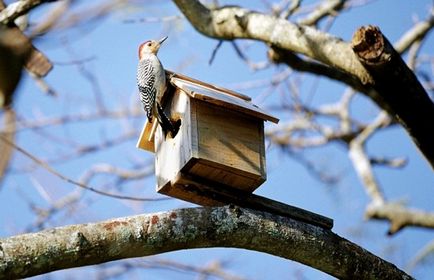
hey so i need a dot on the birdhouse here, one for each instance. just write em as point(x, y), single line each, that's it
point(219, 144)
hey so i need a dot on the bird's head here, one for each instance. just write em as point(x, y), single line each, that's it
point(150, 47)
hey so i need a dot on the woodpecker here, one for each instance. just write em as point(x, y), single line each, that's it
point(151, 80)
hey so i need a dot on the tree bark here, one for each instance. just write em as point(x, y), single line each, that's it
point(143, 235)
point(398, 86)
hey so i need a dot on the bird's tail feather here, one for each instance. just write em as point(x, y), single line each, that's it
point(165, 122)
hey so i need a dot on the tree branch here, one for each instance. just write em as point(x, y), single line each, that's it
point(50, 169)
point(416, 33)
point(278, 55)
point(144, 235)
point(400, 216)
point(361, 162)
point(19, 8)
point(324, 9)
point(36, 62)
point(398, 86)
point(228, 23)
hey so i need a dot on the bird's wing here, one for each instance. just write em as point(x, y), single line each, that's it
point(146, 82)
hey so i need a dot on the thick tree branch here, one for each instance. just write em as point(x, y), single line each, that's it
point(230, 23)
point(144, 235)
point(278, 55)
point(398, 86)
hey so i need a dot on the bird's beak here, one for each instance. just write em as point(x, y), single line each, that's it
point(162, 40)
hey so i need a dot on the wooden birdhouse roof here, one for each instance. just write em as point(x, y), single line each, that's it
point(211, 94)
point(220, 96)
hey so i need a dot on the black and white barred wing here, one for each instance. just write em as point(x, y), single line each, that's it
point(147, 89)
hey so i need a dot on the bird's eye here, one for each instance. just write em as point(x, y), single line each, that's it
point(149, 44)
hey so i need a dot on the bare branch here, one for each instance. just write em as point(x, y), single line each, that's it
point(203, 272)
point(71, 181)
point(214, 52)
point(230, 23)
point(326, 8)
point(389, 162)
point(42, 84)
point(78, 118)
point(55, 206)
point(51, 18)
point(417, 33)
point(361, 162)
point(295, 4)
point(35, 62)
point(19, 8)
point(153, 19)
point(400, 216)
point(422, 255)
point(92, 148)
point(79, 245)
point(122, 174)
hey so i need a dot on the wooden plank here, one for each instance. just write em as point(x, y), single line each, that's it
point(222, 99)
point(225, 175)
point(172, 74)
point(187, 193)
point(229, 138)
point(152, 132)
point(145, 142)
point(258, 203)
point(211, 194)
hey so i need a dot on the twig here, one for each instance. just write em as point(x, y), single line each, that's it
point(212, 270)
point(417, 33)
point(425, 252)
point(399, 216)
point(153, 19)
point(326, 8)
point(214, 51)
point(253, 65)
point(361, 162)
point(122, 174)
point(19, 8)
point(295, 4)
point(63, 177)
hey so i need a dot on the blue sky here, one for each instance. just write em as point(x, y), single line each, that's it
point(111, 49)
